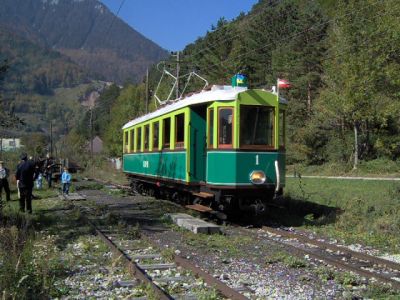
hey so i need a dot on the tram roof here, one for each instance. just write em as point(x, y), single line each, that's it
point(217, 93)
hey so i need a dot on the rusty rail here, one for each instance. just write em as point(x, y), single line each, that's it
point(219, 285)
point(141, 275)
point(133, 268)
point(358, 255)
point(335, 262)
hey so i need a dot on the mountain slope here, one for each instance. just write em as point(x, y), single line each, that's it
point(35, 69)
point(87, 32)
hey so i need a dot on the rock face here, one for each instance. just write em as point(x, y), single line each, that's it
point(87, 32)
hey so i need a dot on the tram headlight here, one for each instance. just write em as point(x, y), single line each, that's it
point(257, 177)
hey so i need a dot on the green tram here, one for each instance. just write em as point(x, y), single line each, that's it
point(224, 148)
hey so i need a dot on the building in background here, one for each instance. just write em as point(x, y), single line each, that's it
point(10, 144)
point(97, 145)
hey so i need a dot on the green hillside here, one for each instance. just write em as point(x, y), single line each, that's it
point(34, 68)
point(342, 58)
point(87, 32)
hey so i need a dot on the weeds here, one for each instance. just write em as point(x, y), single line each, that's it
point(203, 293)
point(287, 259)
point(29, 262)
point(217, 242)
point(150, 293)
point(168, 254)
point(133, 232)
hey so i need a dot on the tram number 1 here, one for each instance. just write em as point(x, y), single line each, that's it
point(257, 162)
point(146, 164)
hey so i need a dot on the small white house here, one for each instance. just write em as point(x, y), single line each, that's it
point(7, 144)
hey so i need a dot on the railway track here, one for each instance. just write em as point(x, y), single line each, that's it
point(160, 273)
point(365, 265)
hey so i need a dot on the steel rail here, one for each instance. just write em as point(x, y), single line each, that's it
point(140, 274)
point(340, 264)
point(219, 285)
point(359, 255)
point(224, 289)
point(132, 267)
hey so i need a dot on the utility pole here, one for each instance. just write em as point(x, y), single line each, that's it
point(91, 135)
point(177, 74)
point(147, 91)
point(51, 138)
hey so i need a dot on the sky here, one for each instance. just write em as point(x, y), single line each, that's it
point(173, 24)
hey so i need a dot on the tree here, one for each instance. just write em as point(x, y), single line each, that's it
point(102, 110)
point(35, 144)
point(129, 105)
point(362, 68)
point(7, 119)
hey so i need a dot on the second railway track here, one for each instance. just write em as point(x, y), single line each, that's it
point(368, 266)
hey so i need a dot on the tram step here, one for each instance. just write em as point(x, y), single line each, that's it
point(203, 195)
point(199, 207)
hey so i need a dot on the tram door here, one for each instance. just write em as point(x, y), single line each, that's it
point(198, 143)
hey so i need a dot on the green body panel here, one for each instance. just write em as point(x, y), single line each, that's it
point(197, 148)
point(234, 168)
point(169, 165)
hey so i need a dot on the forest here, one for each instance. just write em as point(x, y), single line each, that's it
point(342, 59)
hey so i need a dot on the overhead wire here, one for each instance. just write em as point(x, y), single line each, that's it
point(232, 37)
point(284, 39)
point(329, 57)
point(115, 17)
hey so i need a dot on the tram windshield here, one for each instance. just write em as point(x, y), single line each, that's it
point(256, 126)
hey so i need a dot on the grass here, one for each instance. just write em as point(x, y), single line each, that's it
point(356, 211)
point(29, 260)
point(219, 243)
point(103, 170)
point(377, 167)
point(287, 259)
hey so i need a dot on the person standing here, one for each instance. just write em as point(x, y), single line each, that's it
point(4, 172)
point(48, 169)
point(66, 181)
point(25, 176)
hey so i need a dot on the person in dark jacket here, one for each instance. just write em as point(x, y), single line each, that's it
point(4, 173)
point(25, 176)
point(48, 169)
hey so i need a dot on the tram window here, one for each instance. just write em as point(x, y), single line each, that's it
point(166, 132)
point(126, 142)
point(211, 128)
point(155, 135)
point(139, 139)
point(282, 128)
point(132, 140)
point(225, 132)
point(256, 126)
point(146, 137)
point(180, 130)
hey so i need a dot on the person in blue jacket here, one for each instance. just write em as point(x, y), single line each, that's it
point(66, 181)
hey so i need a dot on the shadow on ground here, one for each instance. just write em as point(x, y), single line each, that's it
point(289, 212)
